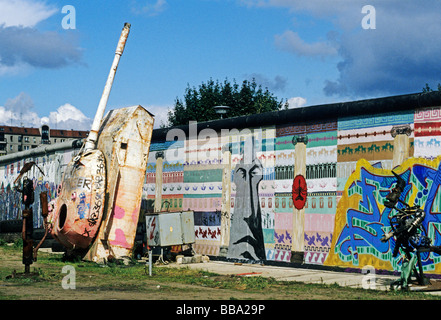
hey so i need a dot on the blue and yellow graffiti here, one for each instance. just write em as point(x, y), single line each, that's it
point(362, 219)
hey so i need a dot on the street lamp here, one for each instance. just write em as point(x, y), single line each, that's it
point(221, 110)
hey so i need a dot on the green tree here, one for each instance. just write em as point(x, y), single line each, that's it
point(197, 104)
point(427, 88)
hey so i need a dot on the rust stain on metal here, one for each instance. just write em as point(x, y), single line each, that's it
point(125, 141)
point(123, 39)
point(27, 239)
point(44, 214)
point(93, 134)
point(80, 202)
point(27, 166)
point(98, 203)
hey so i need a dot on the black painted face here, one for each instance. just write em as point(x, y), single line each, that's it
point(246, 235)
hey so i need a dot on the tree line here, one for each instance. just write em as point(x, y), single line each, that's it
point(245, 99)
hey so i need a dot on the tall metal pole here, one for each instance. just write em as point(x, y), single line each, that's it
point(93, 134)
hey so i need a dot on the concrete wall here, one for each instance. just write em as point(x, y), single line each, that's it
point(51, 160)
point(343, 218)
point(237, 175)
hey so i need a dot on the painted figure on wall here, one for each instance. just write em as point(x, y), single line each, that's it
point(246, 235)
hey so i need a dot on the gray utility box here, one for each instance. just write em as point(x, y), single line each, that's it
point(170, 228)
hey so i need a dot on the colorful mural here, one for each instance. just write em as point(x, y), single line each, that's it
point(246, 235)
point(251, 213)
point(362, 219)
point(332, 150)
point(10, 200)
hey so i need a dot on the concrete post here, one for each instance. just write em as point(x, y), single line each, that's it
point(401, 144)
point(298, 219)
point(158, 182)
point(226, 195)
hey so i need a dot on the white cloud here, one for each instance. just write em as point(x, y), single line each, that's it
point(10, 118)
point(28, 46)
point(277, 84)
point(296, 102)
point(19, 111)
point(19, 68)
point(68, 117)
point(290, 41)
point(160, 113)
point(23, 46)
point(24, 13)
point(149, 7)
point(399, 56)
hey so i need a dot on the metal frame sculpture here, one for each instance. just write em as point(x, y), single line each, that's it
point(27, 191)
point(410, 236)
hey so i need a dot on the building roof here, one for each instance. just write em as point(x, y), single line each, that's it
point(20, 130)
point(58, 133)
point(54, 133)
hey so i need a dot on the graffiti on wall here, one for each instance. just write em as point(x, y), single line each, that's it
point(10, 199)
point(333, 149)
point(362, 219)
point(263, 195)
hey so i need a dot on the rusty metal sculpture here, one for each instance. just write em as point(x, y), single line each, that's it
point(27, 191)
point(44, 214)
point(97, 208)
point(410, 236)
point(78, 209)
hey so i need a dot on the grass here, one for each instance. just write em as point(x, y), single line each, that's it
point(113, 280)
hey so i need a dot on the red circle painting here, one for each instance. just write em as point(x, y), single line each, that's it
point(299, 192)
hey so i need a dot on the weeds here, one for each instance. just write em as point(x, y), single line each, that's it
point(184, 283)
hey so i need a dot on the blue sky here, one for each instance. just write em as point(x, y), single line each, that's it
point(310, 52)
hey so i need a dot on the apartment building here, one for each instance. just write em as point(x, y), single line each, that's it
point(15, 139)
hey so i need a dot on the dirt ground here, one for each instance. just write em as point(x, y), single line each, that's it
point(92, 282)
point(46, 284)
